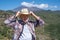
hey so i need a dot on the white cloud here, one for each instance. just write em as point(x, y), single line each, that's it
point(53, 6)
point(27, 4)
point(42, 6)
point(34, 5)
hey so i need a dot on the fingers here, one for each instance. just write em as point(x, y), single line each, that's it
point(31, 12)
point(18, 13)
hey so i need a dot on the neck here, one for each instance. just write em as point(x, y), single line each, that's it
point(26, 20)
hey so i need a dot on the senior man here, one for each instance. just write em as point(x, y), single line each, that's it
point(24, 28)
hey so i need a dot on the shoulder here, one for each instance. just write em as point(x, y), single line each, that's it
point(20, 21)
point(31, 21)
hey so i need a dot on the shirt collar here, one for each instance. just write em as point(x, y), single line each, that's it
point(22, 22)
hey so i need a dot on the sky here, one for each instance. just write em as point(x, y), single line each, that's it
point(42, 4)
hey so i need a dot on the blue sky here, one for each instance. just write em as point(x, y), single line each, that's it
point(42, 4)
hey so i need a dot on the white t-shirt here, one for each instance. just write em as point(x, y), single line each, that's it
point(26, 35)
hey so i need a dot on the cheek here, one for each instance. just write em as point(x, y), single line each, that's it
point(24, 17)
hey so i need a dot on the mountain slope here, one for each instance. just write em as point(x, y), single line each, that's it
point(48, 32)
point(29, 8)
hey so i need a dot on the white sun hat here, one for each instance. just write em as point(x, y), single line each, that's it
point(24, 11)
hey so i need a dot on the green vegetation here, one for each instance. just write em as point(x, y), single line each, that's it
point(50, 31)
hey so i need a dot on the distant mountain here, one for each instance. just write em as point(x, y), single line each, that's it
point(29, 8)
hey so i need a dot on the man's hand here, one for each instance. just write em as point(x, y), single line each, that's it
point(33, 14)
point(17, 14)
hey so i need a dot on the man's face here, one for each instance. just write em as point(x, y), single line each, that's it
point(24, 17)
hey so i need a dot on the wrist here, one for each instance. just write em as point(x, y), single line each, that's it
point(15, 16)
